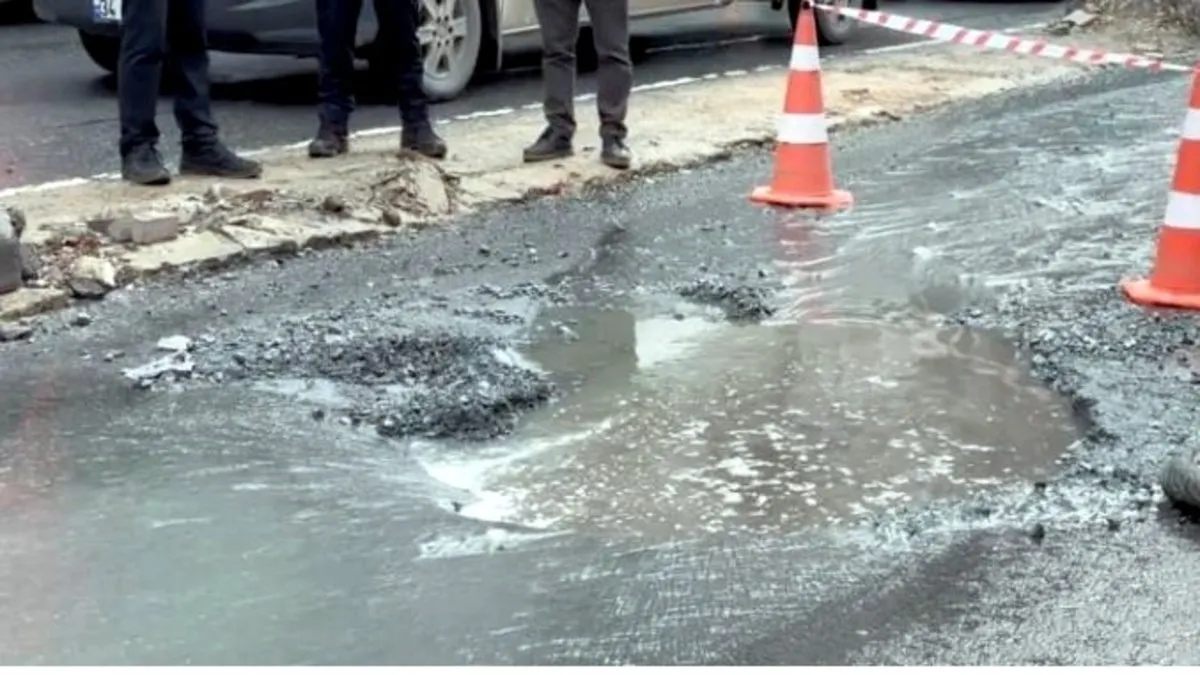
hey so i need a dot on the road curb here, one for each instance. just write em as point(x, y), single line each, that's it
point(369, 194)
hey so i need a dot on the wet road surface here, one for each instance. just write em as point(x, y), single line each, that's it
point(752, 420)
point(58, 113)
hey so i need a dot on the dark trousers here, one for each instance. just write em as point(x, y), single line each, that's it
point(337, 23)
point(559, 21)
point(155, 33)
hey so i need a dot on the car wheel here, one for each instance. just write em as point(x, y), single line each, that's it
point(451, 34)
point(104, 50)
point(832, 29)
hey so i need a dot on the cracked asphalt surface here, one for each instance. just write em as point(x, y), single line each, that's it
point(202, 520)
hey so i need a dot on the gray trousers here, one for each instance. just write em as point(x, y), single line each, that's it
point(559, 21)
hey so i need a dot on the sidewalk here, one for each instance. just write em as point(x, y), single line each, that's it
point(301, 203)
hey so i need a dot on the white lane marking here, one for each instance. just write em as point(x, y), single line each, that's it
point(501, 112)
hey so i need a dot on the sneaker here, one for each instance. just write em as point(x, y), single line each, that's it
point(144, 166)
point(216, 160)
point(329, 142)
point(424, 140)
point(550, 145)
point(615, 154)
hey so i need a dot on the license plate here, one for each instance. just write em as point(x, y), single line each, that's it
point(106, 11)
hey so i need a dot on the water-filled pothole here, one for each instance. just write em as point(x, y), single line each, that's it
point(686, 424)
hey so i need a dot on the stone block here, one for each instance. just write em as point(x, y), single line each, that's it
point(150, 227)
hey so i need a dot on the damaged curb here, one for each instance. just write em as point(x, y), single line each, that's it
point(197, 225)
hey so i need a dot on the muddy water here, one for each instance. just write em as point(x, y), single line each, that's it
point(682, 423)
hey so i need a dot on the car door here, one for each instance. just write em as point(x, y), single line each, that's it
point(277, 22)
point(652, 7)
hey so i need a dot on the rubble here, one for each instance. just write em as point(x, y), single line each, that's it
point(91, 278)
point(11, 331)
point(10, 251)
point(174, 343)
point(149, 227)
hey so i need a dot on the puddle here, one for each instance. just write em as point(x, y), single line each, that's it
point(687, 425)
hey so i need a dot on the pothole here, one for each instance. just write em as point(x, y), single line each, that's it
point(685, 424)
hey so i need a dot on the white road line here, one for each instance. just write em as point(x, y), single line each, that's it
point(502, 112)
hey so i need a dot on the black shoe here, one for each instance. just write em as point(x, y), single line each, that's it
point(216, 160)
point(423, 139)
point(550, 145)
point(616, 154)
point(144, 166)
point(329, 142)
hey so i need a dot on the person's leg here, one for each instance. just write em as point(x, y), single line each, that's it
point(610, 28)
point(337, 26)
point(203, 154)
point(559, 22)
point(139, 72)
point(399, 20)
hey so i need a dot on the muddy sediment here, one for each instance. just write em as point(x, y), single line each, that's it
point(403, 373)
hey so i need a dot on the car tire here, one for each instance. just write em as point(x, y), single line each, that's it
point(445, 78)
point(104, 50)
point(832, 29)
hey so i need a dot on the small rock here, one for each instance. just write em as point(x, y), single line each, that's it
point(1038, 533)
point(1113, 524)
point(10, 251)
point(91, 277)
point(333, 204)
point(175, 364)
point(14, 330)
point(392, 218)
point(81, 319)
point(1079, 18)
point(318, 415)
point(31, 262)
point(174, 343)
point(109, 357)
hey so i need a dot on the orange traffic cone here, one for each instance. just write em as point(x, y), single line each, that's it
point(803, 174)
point(1175, 279)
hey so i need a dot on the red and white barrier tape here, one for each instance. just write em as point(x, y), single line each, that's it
point(946, 32)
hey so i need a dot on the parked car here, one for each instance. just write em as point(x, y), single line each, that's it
point(16, 9)
point(460, 38)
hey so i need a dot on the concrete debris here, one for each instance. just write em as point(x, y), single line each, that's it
point(174, 343)
point(740, 302)
point(91, 278)
point(11, 331)
point(173, 367)
point(31, 262)
point(417, 187)
point(149, 227)
point(10, 250)
point(1078, 18)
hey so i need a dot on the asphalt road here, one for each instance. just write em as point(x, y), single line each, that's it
point(57, 113)
point(214, 521)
